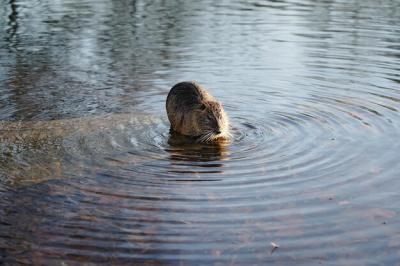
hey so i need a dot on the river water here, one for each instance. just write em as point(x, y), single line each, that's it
point(89, 174)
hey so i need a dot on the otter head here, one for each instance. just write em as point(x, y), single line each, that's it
point(211, 121)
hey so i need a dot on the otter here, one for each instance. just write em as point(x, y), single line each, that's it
point(194, 112)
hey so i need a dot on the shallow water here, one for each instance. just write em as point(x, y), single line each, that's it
point(91, 175)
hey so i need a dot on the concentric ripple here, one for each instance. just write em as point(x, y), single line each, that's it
point(89, 173)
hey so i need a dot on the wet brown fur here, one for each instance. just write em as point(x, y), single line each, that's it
point(192, 111)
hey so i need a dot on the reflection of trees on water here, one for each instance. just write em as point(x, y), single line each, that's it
point(347, 47)
point(77, 58)
point(72, 59)
point(12, 23)
point(352, 32)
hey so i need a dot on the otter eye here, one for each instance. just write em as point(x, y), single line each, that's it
point(202, 107)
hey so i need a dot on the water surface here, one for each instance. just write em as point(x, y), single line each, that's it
point(88, 173)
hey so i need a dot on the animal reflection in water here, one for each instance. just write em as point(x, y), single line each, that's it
point(33, 152)
point(187, 156)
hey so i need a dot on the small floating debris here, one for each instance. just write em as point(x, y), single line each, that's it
point(274, 247)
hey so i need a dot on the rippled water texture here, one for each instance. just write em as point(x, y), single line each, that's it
point(89, 173)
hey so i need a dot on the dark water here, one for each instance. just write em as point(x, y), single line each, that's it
point(312, 89)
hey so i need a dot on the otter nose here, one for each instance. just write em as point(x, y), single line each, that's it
point(218, 132)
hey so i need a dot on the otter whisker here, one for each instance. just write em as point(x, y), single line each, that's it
point(205, 137)
point(210, 137)
point(201, 138)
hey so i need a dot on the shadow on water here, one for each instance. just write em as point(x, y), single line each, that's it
point(47, 149)
point(34, 152)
